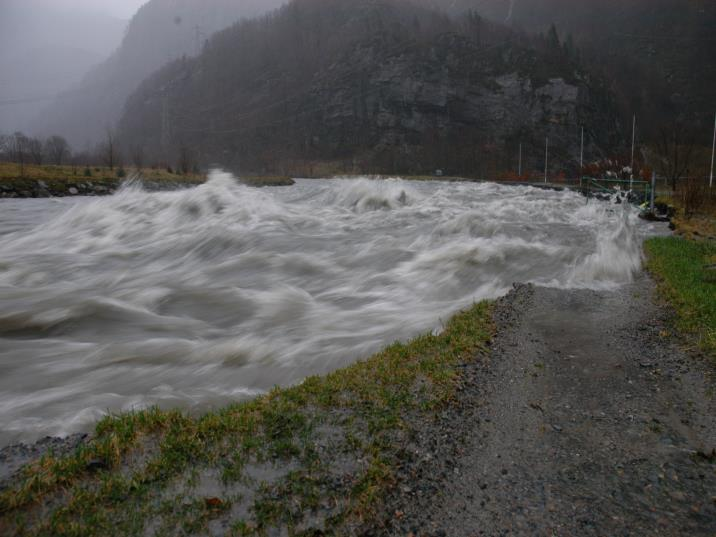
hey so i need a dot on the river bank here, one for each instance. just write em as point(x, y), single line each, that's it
point(576, 413)
point(63, 181)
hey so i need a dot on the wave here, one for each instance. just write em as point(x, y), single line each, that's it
point(195, 297)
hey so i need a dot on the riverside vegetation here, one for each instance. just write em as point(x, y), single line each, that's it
point(39, 181)
point(687, 282)
point(320, 454)
point(684, 264)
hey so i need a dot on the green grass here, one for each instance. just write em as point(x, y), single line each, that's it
point(143, 470)
point(51, 174)
point(679, 265)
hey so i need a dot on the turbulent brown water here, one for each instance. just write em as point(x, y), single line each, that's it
point(196, 298)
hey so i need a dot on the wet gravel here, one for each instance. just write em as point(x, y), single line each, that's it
point(586, 419)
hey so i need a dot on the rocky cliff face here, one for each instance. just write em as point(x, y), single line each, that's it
point(658, 53)
point(414, 93)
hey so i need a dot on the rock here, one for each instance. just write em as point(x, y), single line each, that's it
point(96, 464)
point(73, 191)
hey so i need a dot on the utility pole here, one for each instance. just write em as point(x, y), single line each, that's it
point(633, 141)
point(713, 152)
point(546, 157)
point(519, 166)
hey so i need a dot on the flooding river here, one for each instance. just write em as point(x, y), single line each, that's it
point(196, 298)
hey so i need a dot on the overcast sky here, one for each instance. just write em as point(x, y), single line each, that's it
point(119, 8)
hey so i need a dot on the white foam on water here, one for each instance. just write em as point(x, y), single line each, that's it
point(204, 296)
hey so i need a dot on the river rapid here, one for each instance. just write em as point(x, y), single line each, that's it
point(201, 297)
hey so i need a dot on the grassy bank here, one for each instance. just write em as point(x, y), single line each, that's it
point(315, 457)
point(680, 266)
point(32, 180)
point(50, 174)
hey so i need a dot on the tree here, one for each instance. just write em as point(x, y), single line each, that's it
point(5, 147)
point(57, 149)
point(553, 37)
point(19, 150)
point(108, 151)
point(675, 148)
point(138, 157)
point(35, 149)
point(185, 159)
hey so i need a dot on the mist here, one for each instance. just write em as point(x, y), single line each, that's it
point(46, 46)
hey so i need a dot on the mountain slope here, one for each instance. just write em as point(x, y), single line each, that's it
point(44, 50)
point(659, 53)
point(375, 85)
point(161, 31)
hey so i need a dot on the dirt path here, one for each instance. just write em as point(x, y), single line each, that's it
point(586, 421)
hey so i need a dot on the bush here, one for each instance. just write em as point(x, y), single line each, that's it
point(121, 173)
point(88, 172)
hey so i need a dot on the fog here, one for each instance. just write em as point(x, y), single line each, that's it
point(70, 66)
point(48, 45)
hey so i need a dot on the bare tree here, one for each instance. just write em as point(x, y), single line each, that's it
point(36, 151)
point(138, 157)
point(675, 148)
point(185, 159)
point(19, 150)
point(57, 149)
point(5, 147)
point(108, 151)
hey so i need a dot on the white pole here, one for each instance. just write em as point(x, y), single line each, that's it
point(713, 151)
point(546, 157)
point(633, 140)
point(581, 157)
point(519, 167)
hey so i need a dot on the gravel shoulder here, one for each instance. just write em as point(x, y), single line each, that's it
point(586, 419)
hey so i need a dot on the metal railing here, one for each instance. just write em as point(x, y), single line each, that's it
point(638, 191)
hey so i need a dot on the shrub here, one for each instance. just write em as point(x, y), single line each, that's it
point(88, 172)
point(694, 193)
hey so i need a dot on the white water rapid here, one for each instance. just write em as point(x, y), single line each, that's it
point(196, 298)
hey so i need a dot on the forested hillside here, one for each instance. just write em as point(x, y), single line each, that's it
point(373, 85)
point(160, 32)
point(659, 54)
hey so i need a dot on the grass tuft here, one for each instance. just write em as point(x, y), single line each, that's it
point(681, 267)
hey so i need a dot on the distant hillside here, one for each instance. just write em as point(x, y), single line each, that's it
point(161, 31)
point(371, 85)
point(658, 53)
point(45, 50)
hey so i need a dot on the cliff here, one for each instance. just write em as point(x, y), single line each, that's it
point(373, 86)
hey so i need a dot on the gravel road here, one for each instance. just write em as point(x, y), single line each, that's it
point(586, 419)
